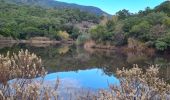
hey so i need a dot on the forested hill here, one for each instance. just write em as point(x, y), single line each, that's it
point(148, 28)
point(57, 4)
point(22, 22)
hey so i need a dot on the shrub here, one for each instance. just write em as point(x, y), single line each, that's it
point(140, 31)
point(63, 35)
point(21, 67)
point(82, 39)
point(136, 44)
point(161, 45)
point(136, 84)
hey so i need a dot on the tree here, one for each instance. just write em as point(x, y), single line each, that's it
point(144, 13)
point(156, 18)
point(100, 34)
point(164, 7)
point(21, 21)
point(141, 31)
point(122, 14)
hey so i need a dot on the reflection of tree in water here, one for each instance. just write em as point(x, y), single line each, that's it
point(62, 58)
point(145, 60)
point(133, 57)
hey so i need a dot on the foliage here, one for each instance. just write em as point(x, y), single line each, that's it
point(160, 45)
point(122, 14)
point(140, 31)
point(150, 27)
point(82, 39)
point(100, 34)
point(58, 4)
point(23, 21)
point(163, 43)
point(63, 35)
point(164, 7)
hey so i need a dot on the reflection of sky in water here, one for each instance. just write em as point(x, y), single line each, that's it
point(94, 78)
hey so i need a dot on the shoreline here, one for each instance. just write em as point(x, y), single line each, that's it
point(35, 41)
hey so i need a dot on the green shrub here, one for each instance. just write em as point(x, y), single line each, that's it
point(82, 39)
point(63, 35)
point(160, 45)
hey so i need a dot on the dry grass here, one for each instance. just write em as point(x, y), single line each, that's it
point(23, 65)
point(136, 84)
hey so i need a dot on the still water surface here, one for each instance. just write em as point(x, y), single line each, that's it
point(77, 67)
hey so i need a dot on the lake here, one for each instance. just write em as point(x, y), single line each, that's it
point(77, 67)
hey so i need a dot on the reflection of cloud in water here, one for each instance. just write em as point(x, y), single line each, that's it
point(70, 83)
point(78, 83)
point(65, 83)
point(94, 78)
point(83, 79)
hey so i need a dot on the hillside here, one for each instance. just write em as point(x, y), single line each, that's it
point(24, 22)
point(57, 4)
point(146, 29)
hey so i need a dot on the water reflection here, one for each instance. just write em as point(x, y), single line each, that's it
point(89, 68)
point(93, 79)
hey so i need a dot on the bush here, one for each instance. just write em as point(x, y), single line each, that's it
point(100, 34)
point(136, 84)
point(136, 45)
point(63, 35)
point(160, 45)
point(22, 64)
point(141, 31)
point(82, 39)
point(21, 67)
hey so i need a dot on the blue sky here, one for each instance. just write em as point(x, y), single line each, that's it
point(112, 6)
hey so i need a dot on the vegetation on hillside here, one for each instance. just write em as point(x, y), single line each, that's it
point(23, 22)
point(58, 4)
point(151, 27)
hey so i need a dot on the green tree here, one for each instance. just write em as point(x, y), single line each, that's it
point(122, 14)
point(100, 34)
point(141, 31)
